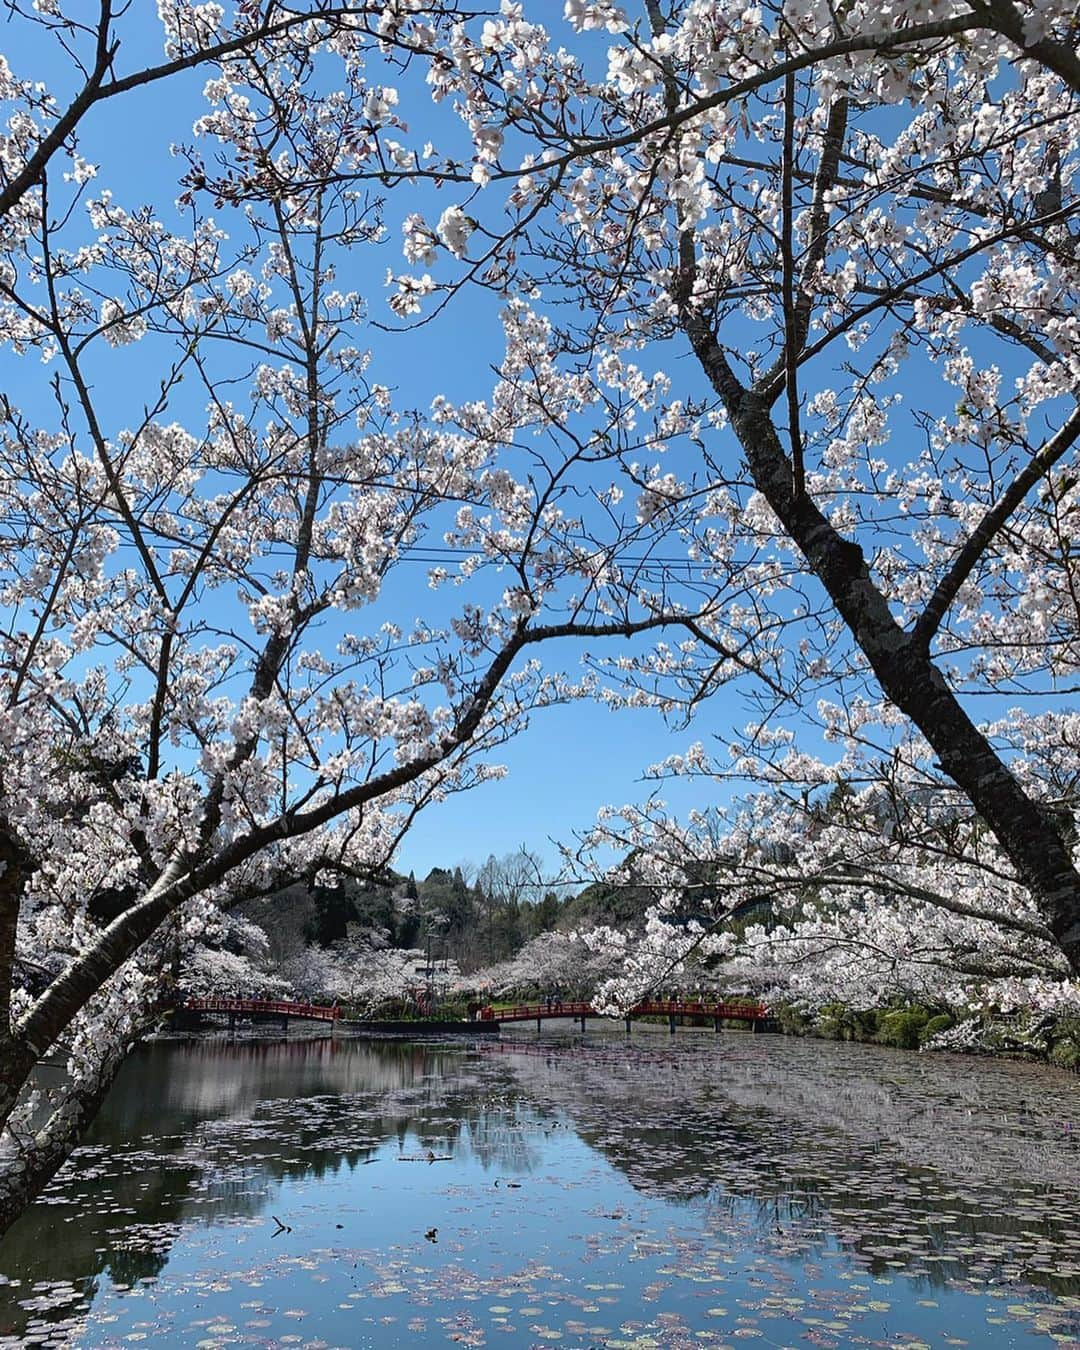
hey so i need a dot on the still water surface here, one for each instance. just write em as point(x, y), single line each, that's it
point(699, 1191)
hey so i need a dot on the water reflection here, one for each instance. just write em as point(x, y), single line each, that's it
point(446, 1173)
point(940, 1166)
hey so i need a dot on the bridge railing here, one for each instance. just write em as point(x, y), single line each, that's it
point(527, 1012)
point(732, 1012)
point(272, 1007)
point(524, 1012)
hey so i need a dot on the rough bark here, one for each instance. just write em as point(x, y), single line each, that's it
point(12, 878)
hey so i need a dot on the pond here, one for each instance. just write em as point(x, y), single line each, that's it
point(696, 1190)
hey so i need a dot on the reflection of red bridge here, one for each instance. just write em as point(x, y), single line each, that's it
point(260, 1007)
point(670, 1008)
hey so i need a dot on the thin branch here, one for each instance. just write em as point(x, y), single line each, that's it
point(980, 538)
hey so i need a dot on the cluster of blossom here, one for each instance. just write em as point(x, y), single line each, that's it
point(886, 237)
point(861, 880)
point(359, 972)
point(574, 964)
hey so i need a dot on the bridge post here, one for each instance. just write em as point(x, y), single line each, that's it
point(582, 1022)
point(232, 1023)
point(538, 1026)
point(716, 1023)
point(671, 1022)
point(628, 1026)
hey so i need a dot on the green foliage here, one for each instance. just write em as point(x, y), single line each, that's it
point(600, 903)
point(791, 1020)
point(368, 906)
point(902, 1027)
point(1065, 1054)
point(1065, 1047)
point(906, 1028)
point(541, 918)
point(1029, 1034)
point(939, 1022)
point(837, 1022)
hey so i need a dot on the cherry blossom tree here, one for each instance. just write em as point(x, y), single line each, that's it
point(858, 881)
point(229, 958)
point(567, 962)
point(214, 520)
point(861, 224)
point(358, 971)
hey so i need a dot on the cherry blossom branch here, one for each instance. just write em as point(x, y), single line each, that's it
point(787, 290)
point(1004, 18)
point(797, 310)
point(975, 546)
point(97, 90)
point(72, 989)
point(908, 678)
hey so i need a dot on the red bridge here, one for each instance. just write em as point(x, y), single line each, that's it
point(260, 1007)
point(670, 1008)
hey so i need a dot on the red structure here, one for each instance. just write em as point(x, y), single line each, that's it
point(735, 1012)
point(261, 1007)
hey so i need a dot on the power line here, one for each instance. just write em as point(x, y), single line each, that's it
point(432, 556)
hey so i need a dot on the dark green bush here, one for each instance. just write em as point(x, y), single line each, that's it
point(836, 1022)
point(1065, 1054)
point(792, 1021)
point(902, 1027)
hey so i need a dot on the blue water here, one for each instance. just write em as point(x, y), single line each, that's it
point(580, 1193)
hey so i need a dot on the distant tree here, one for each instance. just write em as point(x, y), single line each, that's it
point(563, 961)
point(506, 883)
point(407, 924)
point(544, 917)
point(368, 906)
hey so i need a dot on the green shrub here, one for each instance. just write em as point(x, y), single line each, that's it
point(1065, 1054)
point(831, 1021)
point(902, 1027)
point(1065, 1049)
point(836, 1022)
point(941, 1022)
point(792, 1021)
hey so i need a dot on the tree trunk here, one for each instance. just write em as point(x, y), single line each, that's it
point(26, 1169)
point(907, 675)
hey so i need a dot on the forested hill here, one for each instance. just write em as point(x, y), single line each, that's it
point(474, 916)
